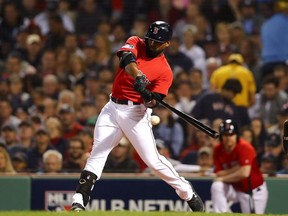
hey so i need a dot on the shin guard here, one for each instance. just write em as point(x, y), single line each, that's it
point(85, 186)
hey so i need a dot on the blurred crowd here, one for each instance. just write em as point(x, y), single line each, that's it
point(57, 64)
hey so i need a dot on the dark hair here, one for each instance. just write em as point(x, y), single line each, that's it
point(233, 84)
point(271, 79)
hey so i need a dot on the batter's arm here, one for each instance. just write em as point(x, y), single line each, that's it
point(238, 175)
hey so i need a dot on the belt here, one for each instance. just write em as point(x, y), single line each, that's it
point(123, 101)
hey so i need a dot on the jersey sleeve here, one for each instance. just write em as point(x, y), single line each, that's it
point(130, 45)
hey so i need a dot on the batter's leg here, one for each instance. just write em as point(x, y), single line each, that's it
point(106, 136)
point(140, 134)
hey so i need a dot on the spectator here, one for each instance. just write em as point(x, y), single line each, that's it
point(90, 53)
point(88, 18)
point(11, 23)
point(189, 155)
point(51, 86)
point(38, 97)
point(190, 15)
point(213, 105)
point(248, 135)
point(34, 45)
point(139, 26)
point(29, 8)
point(86, 135)
point(273, 51)
point(4, 87)
point(237, 173)
point(57, 33)
point(5, 162)
point(42, 19)
point(103, 47)
point(26, 134)
point(250, 19)
point(191, 49)
point(268, 165)
point(71, 44)
point(35, 154)
point(20, 162)
point(18, 97)
point(69, 121)
point(205, 160)
point(184, 93)
point(269, 101)
point(250, 53)
point(15, 65)
point(260, 134)
point(285, 167)
point(178, 61)
point(62, 66)
point(47, 64)
point(281, 72)
point(273, 146)
point(55, 128)
point(75, 152)
point(170, 131)
point(9, 134)
point(282, 116)
point(235, 69)
point(223, 38)
point(87, 112)
point(77, 72)
point(66, 96)
point(52, 161)
point(212, 64)
point(118, 37)
point(119, 159)
point(163, 10)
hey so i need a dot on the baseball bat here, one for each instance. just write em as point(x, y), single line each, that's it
point(191, 120)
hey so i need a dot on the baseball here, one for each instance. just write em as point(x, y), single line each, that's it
point(155, 120)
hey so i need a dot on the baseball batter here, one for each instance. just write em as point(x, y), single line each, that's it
point(143, 75)
point(239, 178)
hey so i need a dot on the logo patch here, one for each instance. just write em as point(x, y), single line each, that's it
point(128, 46)
point(155, 30)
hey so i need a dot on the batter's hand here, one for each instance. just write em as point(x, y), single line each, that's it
point(140, 83)
point(147, 95)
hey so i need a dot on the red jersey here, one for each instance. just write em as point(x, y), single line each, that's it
point(157, 71)
point(243, 154)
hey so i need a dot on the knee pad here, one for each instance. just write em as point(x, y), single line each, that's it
point(85, 186)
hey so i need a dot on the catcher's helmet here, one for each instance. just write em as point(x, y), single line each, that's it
point(228, 127)
point(159, 31)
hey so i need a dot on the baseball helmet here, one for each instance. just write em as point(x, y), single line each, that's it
point(228, 127)
point(159, 31)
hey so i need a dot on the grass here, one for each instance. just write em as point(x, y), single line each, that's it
point(116, 213)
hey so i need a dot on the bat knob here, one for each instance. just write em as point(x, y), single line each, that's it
point(216, 135)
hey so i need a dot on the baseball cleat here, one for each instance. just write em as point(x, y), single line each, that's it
point(77, 207)
point(196, 203)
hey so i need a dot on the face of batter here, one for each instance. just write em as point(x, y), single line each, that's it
point(154, 48)
point(229, 142)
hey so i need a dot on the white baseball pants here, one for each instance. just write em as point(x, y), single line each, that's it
point(221, 193)
point(133, 121)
